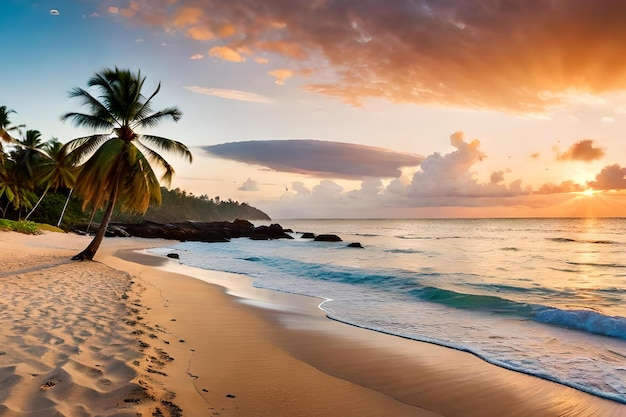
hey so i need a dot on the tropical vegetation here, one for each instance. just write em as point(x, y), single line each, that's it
point(112, 175)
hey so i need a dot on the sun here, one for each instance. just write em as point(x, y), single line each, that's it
point(589, 192)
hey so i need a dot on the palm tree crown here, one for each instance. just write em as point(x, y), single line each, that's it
point(117, 166)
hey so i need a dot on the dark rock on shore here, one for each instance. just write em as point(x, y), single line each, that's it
point(355, 245)
point(308, 235)
point(173, 255)
point(200, 231)
point(327, 238)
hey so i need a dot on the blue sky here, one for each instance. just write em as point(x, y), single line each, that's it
point(512, 108)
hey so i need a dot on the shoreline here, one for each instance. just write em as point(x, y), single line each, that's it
point(202, 350)
point(345, 351)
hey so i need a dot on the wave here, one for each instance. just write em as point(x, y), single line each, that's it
point(569, 240)
point(584, 320)
point(596, 264)
point(404, 251)
point(400, 282)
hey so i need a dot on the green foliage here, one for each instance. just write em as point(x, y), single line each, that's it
point(51, 207)
point(178, 206)
point(26, 227)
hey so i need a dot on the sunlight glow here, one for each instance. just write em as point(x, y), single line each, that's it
point(588, 192)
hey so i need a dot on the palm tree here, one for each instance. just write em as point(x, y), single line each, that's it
point(118, 169)
point(5, 125)
point(57, 170)
point(28, 154)
point(13, 189)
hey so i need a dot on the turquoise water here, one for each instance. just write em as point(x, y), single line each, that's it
point(546, 297)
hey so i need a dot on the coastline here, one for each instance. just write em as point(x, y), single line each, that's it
point(208, 351)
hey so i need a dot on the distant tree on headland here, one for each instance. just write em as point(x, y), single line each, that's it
point(179, 206)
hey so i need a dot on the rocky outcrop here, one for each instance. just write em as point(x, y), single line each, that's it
point(200, 231)
point(327, 238)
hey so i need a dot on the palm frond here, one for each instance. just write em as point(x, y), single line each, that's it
point(80, 148)
point(145, 108)
point(160, 162)
point(98, 109)
point(94, 122)
point(169, 145)
point(155, 118)
point(99, 174)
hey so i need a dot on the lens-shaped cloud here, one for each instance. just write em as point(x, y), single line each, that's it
point(318, 158)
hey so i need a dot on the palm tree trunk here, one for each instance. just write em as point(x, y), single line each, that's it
point(37, 204)
point(64, 207)
point(90, 250)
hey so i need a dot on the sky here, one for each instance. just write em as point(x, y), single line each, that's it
point(353, 108)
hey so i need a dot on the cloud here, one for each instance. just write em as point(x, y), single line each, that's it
point(196, 57)
point(517, 56)
point(612, 177)
point(229, 94)
point(249, 185)
point(200, 33)
point(114, 10)
point(226, 53)
point(582, 150)
point(282, 74)
point(568, 186)
point(318, 158)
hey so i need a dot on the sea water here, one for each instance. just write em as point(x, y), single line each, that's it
point(546, 297)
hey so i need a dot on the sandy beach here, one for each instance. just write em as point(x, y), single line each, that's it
point(136, 335)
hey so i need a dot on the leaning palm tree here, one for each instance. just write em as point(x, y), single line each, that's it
point(117, 164)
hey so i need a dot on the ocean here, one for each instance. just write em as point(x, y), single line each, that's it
point(546, 297)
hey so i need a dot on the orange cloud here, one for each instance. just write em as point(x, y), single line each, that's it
point(612, 177)
point(187, 16)
point(565, 187)
point(226, 53)
point(582, 151)
point(200, 33)
point(518, 57)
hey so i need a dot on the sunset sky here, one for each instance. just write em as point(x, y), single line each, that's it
point(353, 108)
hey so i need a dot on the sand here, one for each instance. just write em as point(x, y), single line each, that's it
point(136, 335)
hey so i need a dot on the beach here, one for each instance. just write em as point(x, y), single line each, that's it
point(133, 334)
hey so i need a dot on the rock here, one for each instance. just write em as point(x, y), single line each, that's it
point(327, 238)
point(355, 245)
point(274, 231)
point(201, 231)
point(116, 231)
point(173, 255)
point(308, 235)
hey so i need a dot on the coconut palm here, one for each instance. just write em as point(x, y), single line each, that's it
point(118, 169)
point(55, 171)
point(5, 125)
point(28, 154)
point(14, 190)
